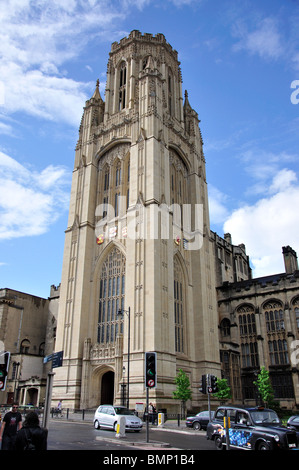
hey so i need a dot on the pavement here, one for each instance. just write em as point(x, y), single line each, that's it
point(168, 426)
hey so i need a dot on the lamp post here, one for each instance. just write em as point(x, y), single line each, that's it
point(128, 312)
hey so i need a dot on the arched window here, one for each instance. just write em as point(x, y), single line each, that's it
point(111, 298)
point(179, 307)
point(247, 329)
point(170, 92)
point(225, 327)
point(122, 86)
point(41, 349)
point(114, 182)
point(247, 324)
point(25, 346)
point(295, 305)
point(277, 344)
point(274, 317)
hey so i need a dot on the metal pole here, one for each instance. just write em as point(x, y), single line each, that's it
point(227, 424)
point(129, 327)
point(146, 416)
point(48, 399)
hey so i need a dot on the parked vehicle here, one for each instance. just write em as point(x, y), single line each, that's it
point(293, 423)
point(199, 421)
point(106, 416)
point(251, 428)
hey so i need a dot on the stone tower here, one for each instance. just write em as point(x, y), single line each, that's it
point(138, 250)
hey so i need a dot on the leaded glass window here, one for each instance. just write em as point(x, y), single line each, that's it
point(111, 298)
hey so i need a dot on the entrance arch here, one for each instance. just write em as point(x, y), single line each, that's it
point(107, 388)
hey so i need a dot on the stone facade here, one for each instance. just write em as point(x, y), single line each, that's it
point(27, 331)
point(139, 168)
point(259, 326)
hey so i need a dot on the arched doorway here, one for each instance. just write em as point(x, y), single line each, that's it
point(31, 396)
point(107, 389)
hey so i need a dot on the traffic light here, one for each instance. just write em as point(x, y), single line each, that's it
point(214, 385)
point(150, 369)
point(203, 384)
point(4, 365)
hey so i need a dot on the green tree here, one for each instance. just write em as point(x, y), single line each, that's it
point(224, 391)
point(264, 387)
point(183, 391)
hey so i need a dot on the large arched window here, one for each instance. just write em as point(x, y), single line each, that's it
point(274, 317)
point(114, 182)
point(277, 344)
point(122, 86)
point(179, 307)
point(111, 298)
point(248, 339)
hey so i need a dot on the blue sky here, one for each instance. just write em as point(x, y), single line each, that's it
point(240, 66)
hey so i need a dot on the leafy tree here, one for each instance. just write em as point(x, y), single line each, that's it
point(264, 387)
point(183, 391)
point(224, 391)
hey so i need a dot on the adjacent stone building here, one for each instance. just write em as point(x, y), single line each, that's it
point(258, 326)
point(27, 331)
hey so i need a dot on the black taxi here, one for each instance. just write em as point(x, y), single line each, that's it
point(250, 429)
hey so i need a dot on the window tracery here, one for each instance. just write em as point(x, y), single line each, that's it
point(111, 297)
point(179, 307)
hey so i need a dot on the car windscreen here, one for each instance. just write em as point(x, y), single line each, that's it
point(123, 411)
point(264, 417)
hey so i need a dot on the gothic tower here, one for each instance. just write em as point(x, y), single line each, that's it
point(138, 269)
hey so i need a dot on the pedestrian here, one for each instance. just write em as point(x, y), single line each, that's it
point(31, 436)
point(12, 422)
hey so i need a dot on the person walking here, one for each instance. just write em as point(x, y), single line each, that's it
point(12, 422)
point(31, 436)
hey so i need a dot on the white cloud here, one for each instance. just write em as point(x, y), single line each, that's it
point(269, 224)
point(265, 40)
point(30, 201)
point(217, 205)
point(36, 39)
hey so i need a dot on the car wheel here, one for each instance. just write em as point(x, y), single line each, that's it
point(263, 446)
point(197, 425)
point(96, 424)
point(218, 443)
point(114, 426)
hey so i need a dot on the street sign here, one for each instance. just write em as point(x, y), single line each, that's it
point(57, 359)
point(48, 358)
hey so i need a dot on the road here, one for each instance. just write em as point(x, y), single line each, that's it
point(68, 435)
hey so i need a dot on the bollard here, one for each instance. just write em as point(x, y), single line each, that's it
point(121, 427)
point(161, 420)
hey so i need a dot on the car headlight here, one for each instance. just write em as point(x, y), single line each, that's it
point(276, 438)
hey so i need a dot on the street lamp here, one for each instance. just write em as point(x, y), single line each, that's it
point(128, 312)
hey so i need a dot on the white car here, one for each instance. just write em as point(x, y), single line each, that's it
point(106, 416)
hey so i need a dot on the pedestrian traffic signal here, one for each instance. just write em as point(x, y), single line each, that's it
point(4, 365)
point(214, 385)
point(203, 384)
point(150, 369)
